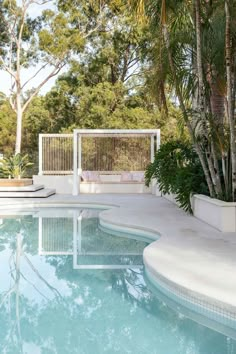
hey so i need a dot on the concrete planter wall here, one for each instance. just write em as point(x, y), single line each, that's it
point(155, 189)
point(219, 214)
point(170, 197)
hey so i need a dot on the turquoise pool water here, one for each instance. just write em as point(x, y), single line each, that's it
point(55, 298)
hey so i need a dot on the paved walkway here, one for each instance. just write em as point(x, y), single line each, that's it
point(189, 253)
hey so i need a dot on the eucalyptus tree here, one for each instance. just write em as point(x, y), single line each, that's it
point(7, 127)
point(104, 86)
point(43, 42)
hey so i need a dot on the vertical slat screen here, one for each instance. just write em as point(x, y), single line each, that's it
point(98, 153)
point(57, 157)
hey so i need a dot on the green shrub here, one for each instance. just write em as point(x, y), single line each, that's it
point(15, 166)
point(2, 173)
point(177, 170)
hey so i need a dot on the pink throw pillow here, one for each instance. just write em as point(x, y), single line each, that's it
point(93, 176)
point(85, 176)
point(126, 177)
point(138, 176)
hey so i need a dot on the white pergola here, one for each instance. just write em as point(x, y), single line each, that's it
point(77, 146)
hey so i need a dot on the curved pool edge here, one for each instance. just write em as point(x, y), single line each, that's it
point(204, 310)
point(200, 315)
point(222, 308)
point(18, 205)
point(219, 313)
point(143, 233)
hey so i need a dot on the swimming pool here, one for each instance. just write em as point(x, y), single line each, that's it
point(69, 286)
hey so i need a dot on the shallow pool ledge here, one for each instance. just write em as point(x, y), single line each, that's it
point(188, 265)
point(142, 233)
point(187, 284)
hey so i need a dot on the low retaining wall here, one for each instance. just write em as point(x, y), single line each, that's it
point(64, 185)
point(170, 197)
point(217, 213)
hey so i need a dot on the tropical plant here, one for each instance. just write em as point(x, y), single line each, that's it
point(2, 173)
point(15, 166)
point(194, 60)
point(177, 170)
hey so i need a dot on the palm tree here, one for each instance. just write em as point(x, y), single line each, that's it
point(189, 37)
point(230, 56)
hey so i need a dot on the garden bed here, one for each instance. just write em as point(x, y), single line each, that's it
point(7, 182)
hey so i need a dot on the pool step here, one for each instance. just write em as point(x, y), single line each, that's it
point(41, 193)
point(29, 188)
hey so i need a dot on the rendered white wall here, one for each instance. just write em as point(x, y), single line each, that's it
point(170, 197)
point(110, 178)
point(217, 213)
point(64, 185)
point(113, 188)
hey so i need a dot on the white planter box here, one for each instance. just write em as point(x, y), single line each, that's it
point(155, 189)
point(170, 197)
point(217, 213)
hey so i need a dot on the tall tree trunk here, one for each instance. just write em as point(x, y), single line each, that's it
point(19, 115)
point(203, 104)
point(228, 60)
point(199, 59)
point(181, 101)
point(185, 114)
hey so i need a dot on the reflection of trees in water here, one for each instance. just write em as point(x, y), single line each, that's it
point(130, 286)
point(83, 317)
point(17, 233)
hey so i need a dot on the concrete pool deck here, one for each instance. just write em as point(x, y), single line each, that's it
point(189, 254)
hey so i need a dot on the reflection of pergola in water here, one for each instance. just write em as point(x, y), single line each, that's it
point(61, 235)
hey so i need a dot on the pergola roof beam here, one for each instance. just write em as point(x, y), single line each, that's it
point(116, 132)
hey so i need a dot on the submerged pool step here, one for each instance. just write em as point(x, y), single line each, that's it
point(41, 193)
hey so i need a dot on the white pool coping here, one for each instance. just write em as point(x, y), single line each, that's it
point(190, 257)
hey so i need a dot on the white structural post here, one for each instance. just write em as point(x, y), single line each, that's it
point(40, 173)
point(152, 148)
point(75, 164)
point(158, 139)
point(80, 160)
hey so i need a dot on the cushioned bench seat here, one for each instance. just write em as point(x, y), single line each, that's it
point(114, 187)
point(111, 176)
point(113, 182)
point(108, 183)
